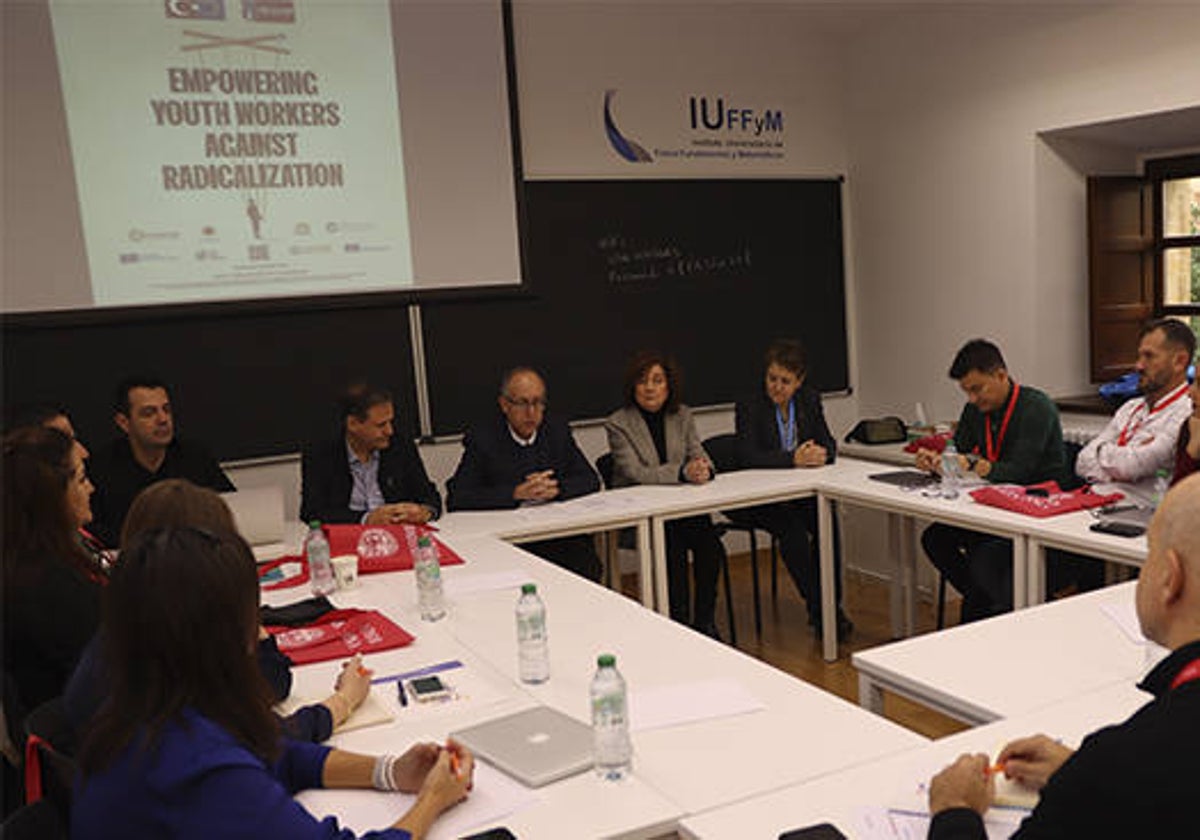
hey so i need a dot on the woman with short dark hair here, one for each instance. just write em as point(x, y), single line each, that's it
point(782, 427)
point(186, 744)
point(653, 440)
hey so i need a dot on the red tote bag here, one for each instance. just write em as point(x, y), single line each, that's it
point(1055, 501)
point(340, 634)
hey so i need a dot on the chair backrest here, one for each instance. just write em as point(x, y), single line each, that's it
point(723, 449)
point(38, 821)
point(604, 466)
point(49, 756)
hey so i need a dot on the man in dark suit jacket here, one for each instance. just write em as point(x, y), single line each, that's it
point(520, 458)
point(367, 475)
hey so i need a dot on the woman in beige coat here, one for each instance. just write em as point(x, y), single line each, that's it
point(653, 441)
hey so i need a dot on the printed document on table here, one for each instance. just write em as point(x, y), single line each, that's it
point(672, 705)
point(878, 823)
point(493, 797)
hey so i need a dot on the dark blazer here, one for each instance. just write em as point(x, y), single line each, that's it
point(1090, 797)
point(758, 432)
point(493, 464)
point(326, 480)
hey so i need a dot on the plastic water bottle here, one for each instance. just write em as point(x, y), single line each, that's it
point(612, 748)
point(1162, 480)
point(429, 580)
point(533, 652)
point(320, 570)
point(951, 474)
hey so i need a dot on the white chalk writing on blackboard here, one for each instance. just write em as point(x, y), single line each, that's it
point(630, 261)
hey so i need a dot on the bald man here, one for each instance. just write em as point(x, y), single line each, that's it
point(1135, 779)
point(522, 457)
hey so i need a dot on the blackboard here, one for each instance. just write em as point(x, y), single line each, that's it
point(245, 384)
point(709, 271)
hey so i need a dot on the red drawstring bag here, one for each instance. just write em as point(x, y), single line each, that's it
point(380, 548)
point(384, 548)
point(1017, 498)
point(935, 442)
point(340, 634)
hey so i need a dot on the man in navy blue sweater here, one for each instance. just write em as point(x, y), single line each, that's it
point(521, 457)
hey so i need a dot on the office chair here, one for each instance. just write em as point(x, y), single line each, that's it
point(723, 451)
point(50, 742)
point(38, 821)
point(604, 466)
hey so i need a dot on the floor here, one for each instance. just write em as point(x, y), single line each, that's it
point(789, 644)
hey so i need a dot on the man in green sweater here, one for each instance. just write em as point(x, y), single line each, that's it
point(1008, 433)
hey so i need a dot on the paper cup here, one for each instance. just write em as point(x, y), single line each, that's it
point(345, 569)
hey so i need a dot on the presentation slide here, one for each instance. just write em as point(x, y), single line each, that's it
point(179, 151)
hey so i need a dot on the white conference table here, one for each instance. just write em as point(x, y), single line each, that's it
point(647, 508)
point(799, 733)
point(895, 781)
point(1015, 663)
point(607, 510)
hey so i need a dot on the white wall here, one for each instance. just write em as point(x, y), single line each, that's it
point(965, 223)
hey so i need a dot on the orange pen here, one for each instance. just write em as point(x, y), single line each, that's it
point(455, 767)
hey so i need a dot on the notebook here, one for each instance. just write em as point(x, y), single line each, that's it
point(908, 479)
point(536, 746)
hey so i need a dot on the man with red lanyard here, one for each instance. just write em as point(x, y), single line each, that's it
point(1140, 439)
point(1135, 779)
point(1008, 433)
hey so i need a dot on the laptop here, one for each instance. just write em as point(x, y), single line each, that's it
point(258, 514)
point(536, 746)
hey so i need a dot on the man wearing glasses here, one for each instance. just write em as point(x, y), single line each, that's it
point(523, 458)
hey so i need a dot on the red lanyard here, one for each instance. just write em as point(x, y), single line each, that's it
point(1127, 433)
point(1190, 673)
point(993, 451)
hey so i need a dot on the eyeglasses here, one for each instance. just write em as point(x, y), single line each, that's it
point(526, 405)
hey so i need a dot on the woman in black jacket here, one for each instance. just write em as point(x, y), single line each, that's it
point(784, 427)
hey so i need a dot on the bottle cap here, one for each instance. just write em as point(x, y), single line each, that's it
point(528, 588)
point(315, 525)
point(424, 541)
point(606, 660)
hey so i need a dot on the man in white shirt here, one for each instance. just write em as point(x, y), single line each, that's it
point(1140, 439)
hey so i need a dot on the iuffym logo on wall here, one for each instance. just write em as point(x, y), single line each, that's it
point(712, 128)
point(623, 146)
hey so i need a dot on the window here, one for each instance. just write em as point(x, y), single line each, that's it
point(1143, 257)
point(1177, 237)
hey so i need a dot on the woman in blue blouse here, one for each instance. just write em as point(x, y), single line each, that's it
point(186, 745)
point(176, 502)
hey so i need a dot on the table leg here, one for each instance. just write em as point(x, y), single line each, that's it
point(829, 646)
point(908, 555)
point(658, 539)
point(1036, 560)
point(1020, 573)
point(895, 541)
point(645, 565)
point(870, 694)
